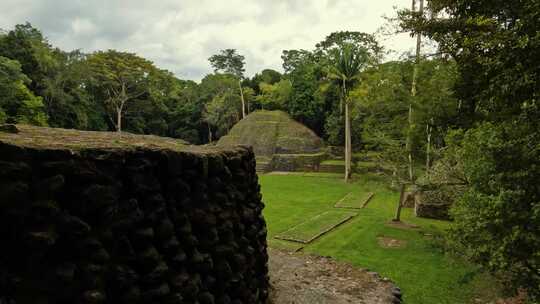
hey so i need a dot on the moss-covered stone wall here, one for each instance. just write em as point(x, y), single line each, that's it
point(296, 162)
point(133, 224)
point(434, 204)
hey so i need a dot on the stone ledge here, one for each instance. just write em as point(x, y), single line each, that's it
point(28, 136)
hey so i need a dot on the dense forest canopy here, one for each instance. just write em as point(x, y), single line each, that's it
point(496, 47)
point(115, 90)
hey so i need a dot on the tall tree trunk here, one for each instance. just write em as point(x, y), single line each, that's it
point(409, 145)
point(118, 120)
point(348, 149)
point(120, 107)
point(242, 98)
point(209, 133)
point(119, 110)
point(428, 149)
point(397, 218)
point(413, 94)
point(394, 176)
point(347, 132)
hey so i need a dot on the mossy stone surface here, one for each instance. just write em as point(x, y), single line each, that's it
point(277, 140)
point(273, 132)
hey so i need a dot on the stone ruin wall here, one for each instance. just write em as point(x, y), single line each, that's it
point(131, 226)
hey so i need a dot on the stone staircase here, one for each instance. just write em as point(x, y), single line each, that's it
point(262, 167)
point(331, 168)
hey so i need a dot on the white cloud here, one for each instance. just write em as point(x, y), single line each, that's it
point(83, 27)
point(181, 35)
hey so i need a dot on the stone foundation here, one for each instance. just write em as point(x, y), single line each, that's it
point(85, 221)
point(296, 162)
point(432, 204)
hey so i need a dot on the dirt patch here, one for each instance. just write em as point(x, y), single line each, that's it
point(388, 242)
point(304, 279)
point(402, 225)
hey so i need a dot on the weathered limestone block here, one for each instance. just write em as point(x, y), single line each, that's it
point(90, 217)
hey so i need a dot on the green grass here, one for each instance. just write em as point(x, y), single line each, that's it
point(316, 226)
point(308, 174)
point(355, 201)
point(323, 174)
point(423, 272)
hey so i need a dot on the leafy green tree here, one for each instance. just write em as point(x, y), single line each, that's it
point(435, 106)
point(294, 59)
point(58, 77)
point(313, 101)
point(346, 71)
point(80, 91)
point(381, 105)
point(229, 62)
point(17, 103)
point(185, 113)
point(359, 43)
point(497, 219)
point(119, 78)
point(495, 46)
point(3, 116)
point(150, 112)
point(383, 98)
point(249, 98)
point(307, 102)
point(27, 45)
point(274, 96)
point(221, 113)
point(303, 104)
point(222, 105)
point(267, 76)
point(65, 94)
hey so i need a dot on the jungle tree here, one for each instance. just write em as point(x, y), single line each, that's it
point(119, 78)
point(496, 48)
point(228, 61)
point(348, 63)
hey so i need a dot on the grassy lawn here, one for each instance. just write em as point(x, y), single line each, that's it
point(354, 201)
point(312, 228)
point(419, 267)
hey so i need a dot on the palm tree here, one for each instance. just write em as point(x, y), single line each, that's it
point(348, 63)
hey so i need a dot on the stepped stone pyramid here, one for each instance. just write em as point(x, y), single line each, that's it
point(279, 142)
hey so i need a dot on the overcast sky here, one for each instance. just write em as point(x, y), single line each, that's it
point(180, 35)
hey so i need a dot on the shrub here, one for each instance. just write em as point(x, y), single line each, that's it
point(497, 220)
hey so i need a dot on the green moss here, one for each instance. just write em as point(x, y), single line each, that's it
point(69, 139)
